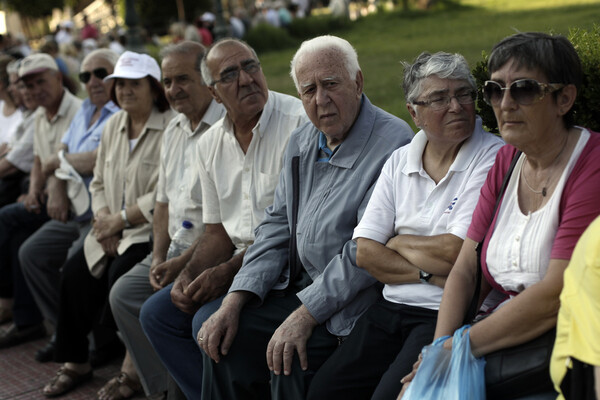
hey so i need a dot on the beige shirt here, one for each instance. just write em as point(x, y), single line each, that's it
point(237, 187)
point(124, 178)
point(47, 134)
point(179, 166)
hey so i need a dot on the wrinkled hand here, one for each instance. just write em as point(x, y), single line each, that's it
point(107, 225)
point(163, 273)
point(210, 284)
point(178, 297)
point(110, 245)
point(4, 149)
point(58, 205)
point(217, 332)
point(291, 336)
point(408, 378)
point(33, 202)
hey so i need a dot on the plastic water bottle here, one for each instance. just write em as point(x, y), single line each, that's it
point(183, 238)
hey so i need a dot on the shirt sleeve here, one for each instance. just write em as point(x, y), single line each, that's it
point(21, 154)
point(161, 188)
point(378, 221)
point(97, 183)
point(579, 202)
point(211, 210)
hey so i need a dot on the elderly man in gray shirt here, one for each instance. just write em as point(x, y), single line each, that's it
point(301, 271)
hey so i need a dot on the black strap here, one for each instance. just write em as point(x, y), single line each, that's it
point(294, 260)
point(474, 306)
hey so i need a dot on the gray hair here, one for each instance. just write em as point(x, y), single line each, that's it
point(326, 42)
point(206, 73)
point(105, 54)
point(185, 48)
point(441, 64)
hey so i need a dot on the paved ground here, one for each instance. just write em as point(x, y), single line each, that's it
point(21, 377)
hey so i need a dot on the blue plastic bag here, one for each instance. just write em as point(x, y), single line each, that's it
point(449, 375)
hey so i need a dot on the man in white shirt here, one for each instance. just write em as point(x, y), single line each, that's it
point(188, 95)
point(239, 158)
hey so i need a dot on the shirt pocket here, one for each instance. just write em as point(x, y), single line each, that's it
point(265, 185)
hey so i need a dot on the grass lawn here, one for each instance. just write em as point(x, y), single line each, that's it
point(384, 39)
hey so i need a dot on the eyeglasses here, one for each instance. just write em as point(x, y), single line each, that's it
point(523, 91)
point(231, 75)
point(99, 73)
point(443, 102)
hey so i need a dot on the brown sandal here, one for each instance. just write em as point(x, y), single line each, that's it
point(119, 388)
point(58, 387)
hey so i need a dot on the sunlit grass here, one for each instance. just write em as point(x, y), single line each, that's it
point(383, 40)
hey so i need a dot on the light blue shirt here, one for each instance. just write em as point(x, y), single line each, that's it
point(82, 138)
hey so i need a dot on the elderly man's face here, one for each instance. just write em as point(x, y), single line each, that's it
point(184, 88)
point(98, 90)
point(45, 87)
point(331, 98)
point(244, 97)
point(451, 125)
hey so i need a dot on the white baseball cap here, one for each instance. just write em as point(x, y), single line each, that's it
point(36, 63)
point(132, 65)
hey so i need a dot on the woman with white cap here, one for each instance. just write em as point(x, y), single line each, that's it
point(123, 193)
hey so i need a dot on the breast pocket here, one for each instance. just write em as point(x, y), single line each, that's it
point(266, 189)
point(147, 174)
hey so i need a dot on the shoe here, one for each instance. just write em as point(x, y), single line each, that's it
point(119, 388)
point(106, 354)
point(46, 353)
point(5, 315)
point(13, 336)
point(64, 381)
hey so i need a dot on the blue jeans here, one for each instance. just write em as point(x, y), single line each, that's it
point(16, 225)
point(169, 330)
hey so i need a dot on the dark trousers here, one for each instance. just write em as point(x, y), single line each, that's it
point(243, 373)
point(380, 350)
point(11, 187)
point(84, 299)
point(16, 225)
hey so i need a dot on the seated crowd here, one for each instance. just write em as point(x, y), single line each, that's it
point(232, 242)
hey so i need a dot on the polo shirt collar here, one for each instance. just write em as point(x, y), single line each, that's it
point(263, 121)
point(351, 148)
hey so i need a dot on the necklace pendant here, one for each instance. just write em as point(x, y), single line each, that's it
point(544, 192)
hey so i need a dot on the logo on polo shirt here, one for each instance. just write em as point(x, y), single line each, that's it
point(451, 206)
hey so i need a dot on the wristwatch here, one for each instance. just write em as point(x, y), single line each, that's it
point(124, 218)
point(424, 277)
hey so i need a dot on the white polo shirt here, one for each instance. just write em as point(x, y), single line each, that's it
point(179, 168)
point(237, 187)
point(407, 201)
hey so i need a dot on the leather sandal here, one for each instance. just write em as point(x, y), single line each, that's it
point(119, 388)
point(58, 386)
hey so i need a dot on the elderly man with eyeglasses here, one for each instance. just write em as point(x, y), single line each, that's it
point(239, 160)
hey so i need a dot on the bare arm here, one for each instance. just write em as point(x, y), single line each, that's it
point(6, 168)
point(34, 198)
point(58, 201)
point(400, 260)
point(525, 317)
point(107, 224)
point(160, 228)
point(83, 162)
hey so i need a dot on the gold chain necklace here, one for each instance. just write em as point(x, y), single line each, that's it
point(544, 190)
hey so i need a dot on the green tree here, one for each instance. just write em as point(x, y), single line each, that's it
point(34, 8)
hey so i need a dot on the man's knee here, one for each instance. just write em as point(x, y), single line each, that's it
point(153, 309)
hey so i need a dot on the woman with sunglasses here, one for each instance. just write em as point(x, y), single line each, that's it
point(550, 198)
point(123, 193)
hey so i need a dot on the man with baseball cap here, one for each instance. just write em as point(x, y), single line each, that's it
point(46, 198)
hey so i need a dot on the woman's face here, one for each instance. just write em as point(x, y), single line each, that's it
point(523, 125)
point(134, 95)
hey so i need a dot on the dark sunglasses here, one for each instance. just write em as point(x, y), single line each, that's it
point(523, 91)
point(99, 73)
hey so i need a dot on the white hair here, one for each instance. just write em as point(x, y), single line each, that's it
point(326, 42)
point(105, 54)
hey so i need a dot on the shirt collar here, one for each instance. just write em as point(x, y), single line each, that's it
point(265, 116)
point(65, 104)
point(156, 121)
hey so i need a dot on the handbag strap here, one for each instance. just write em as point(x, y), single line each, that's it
point(294, 259)
point(473, 306)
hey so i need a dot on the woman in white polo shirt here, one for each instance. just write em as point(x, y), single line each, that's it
point(412, 230)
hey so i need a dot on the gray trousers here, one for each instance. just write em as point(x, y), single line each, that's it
point(126, 298)
point(42, 256)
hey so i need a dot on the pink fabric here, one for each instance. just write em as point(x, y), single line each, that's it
point(579, 205)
